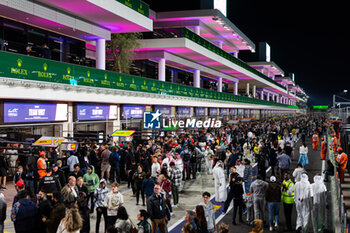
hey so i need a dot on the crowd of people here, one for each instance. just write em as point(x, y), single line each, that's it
point(57, 195)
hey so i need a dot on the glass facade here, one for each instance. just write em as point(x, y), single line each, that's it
point(25, 39)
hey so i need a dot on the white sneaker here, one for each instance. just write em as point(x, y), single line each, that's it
point(271, 229)
point(171, 214)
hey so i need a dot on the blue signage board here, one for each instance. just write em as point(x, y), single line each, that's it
point(213, 111)
point(164, 110)
point(130, 111)
point(184, 111)
point(96, 112)
point(239, 112)
point(232, 111)
point(34, 112)
point(200, 111)
point(223, 112)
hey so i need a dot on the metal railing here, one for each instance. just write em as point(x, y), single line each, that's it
point(336, 191)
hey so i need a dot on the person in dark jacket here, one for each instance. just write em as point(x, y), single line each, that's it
point(273, 195)
point(58, 174)
point(77, 172)
point(44, 208)
point(232, 180)
point(138, 177)
point(148, 185)
point(3, 171)
point(23, 214)
point(156, 209)
point(49, 184)
point(83, 205)
point(57, 212)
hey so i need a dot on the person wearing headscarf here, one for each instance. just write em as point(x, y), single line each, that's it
point(302, 197)
point(319, 194)
point(220, 182)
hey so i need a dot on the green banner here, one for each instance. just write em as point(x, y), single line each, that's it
point(37, 69)
point(137, 5)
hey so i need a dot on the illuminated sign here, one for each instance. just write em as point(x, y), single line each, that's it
point(133, 111)
point(96, 112)
point(320, 107)
point(34, 112)
point(221, 5)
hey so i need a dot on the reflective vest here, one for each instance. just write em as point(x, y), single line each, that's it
point(288, 199)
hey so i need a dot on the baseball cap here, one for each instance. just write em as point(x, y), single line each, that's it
point(54, 165)
point(273, 179)
point(20, 183)
point(42, 153)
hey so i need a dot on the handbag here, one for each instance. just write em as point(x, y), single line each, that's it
point(133, 228)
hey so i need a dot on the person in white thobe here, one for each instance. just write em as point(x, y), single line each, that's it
point(220, 182)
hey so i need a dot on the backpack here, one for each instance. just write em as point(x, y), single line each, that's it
point(187, 157)
point(113, 159)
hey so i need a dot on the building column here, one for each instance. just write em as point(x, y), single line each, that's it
point(101, 54)
point(262, 95)
point(235, 54)
point(268, 96)
point(247, 89)
point(197, 30)
point(235, 88)
point(220, 44)
point(161, 69)
point(254, 91)
point(219, 84)
point(197, 78)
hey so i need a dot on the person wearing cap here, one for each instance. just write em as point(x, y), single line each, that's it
point(342, 160)
point(49, 184)
point(23, 213)
point(273, 197)
point(58, 174)
point(20, 187)
point(323, 149)
point(175, 178)
point(41, 164)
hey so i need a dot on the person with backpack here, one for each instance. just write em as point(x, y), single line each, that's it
point(23, 214)
point(114, 160)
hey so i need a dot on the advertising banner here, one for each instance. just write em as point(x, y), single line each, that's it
point(201, 111)
point(166, 111)
point(96, 112)
point(135, 112)
point(184, 111)
point(213, 111)
point(34, 112)
point(223, 112)
point(232, 111)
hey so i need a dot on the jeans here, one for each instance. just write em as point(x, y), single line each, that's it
point(274, 210)
point(247, 186)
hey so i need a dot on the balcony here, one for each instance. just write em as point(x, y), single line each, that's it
point(37, 69)
point(188, 34)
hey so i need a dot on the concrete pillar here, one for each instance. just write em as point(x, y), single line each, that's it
point(262, 95)
point(161, 69)
point(247, 89)
point(197, 78)
point(197, 30)
point(67, 128)
point(235, 88)
point(254, 91)
point(219, 84)
point(220, 44)
point(268, 96)
point(101, 54)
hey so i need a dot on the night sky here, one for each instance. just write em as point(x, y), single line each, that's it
point(306, 38)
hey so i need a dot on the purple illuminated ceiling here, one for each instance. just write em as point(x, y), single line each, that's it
point(97, 15)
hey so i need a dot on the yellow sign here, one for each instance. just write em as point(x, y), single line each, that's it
point(48, 141)
point(123, 133)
